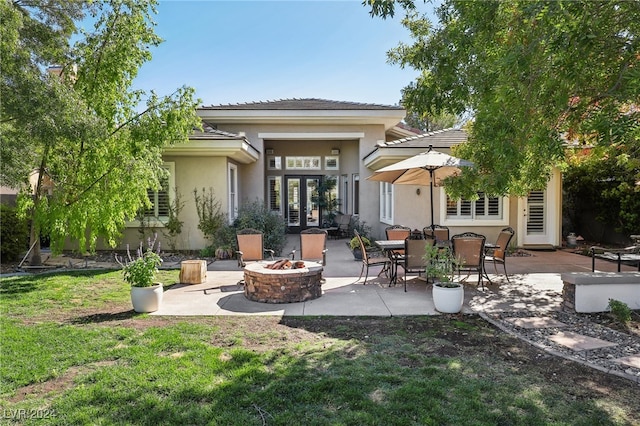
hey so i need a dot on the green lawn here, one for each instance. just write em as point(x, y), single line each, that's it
point(73, 352)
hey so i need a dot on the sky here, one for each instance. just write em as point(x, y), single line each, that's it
point(246, 51)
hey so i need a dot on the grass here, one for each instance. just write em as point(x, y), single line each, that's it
point(74, 352)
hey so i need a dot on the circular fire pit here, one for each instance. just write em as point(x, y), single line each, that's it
point(282, 285)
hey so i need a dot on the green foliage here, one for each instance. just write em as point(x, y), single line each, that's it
point(14, 234)
point(210, 215)
point(361, 226)
point(207, 252)
point(324, 196)
point(83, 130)
point(173, 225)
point(257, 216)
point(620, 310)
point(355, 244)
point(225, 237)
point(442, 264)
point(140, 270)
point(598, 179)
point(533, 74)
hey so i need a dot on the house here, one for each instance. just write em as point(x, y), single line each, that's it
point(277, 151)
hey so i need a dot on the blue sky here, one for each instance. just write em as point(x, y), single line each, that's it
point(244, 51)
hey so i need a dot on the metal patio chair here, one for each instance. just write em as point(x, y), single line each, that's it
point(313, 246)
point(250, 247)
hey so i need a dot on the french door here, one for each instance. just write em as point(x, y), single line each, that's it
point(301, 212)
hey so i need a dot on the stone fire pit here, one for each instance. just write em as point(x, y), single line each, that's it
point(282, 285)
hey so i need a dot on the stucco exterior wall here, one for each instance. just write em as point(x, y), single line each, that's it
point(190, 173)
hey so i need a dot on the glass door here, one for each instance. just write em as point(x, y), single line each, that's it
point(301, 210)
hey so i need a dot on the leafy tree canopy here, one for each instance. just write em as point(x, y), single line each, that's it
point(80, 129)
point(534, 75)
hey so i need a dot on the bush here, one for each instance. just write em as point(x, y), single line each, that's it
point(620, 310)
point(256, 215)
point(14, 234)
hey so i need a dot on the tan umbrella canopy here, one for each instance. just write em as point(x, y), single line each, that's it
point(427, 168)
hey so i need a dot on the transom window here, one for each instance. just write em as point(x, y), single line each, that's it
point(303, 163)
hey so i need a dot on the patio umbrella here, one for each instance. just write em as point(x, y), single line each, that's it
point(427, 168)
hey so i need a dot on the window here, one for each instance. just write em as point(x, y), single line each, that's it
point(484, 208)
point(303, 163)
point(274, 163)
point(356, 194)
point(233, 192)
point(161, 199)
point(274, 193)
point(386, 202)
point(331, 163)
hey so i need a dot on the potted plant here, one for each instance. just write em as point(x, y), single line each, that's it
point(354, 245)
point(140, 272)
point(442, 264)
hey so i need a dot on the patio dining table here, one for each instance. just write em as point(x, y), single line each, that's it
point(388, 247)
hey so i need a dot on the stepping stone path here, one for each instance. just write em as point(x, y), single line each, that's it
point(574, 341)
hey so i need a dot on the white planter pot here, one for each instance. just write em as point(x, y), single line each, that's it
point(448, 300)
point(146, 299)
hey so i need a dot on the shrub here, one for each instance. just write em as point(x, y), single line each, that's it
point(14, 234)
point(210, 215)
point(256, 215)
point(620, 310)
point(363, 229)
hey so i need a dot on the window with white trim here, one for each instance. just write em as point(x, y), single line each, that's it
point(386, 202)
point(274, 194)
point(303, 163)
point(161, 199)
point(331, 163)
point(484, 208)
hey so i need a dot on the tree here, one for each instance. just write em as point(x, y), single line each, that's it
point(426, 123)
point(533, 74)
point(80, 128)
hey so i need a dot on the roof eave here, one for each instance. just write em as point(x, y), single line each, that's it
point(238, 149)
point(387, 117)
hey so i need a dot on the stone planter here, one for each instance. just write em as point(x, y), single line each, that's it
point(147, 299)
point(448, 300)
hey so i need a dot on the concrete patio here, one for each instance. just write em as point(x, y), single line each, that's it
point(534, 286)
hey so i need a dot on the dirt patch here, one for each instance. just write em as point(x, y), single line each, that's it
point(58, 384)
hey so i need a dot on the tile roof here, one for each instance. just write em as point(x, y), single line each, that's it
point(440, 138)
point(302, 104)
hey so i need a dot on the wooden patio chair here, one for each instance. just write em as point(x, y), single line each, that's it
point(367, 261)
point(439, 232)
point(313, 246)
point(250, 246)
point(468, 247)
point(414, 261)
point(498, 253)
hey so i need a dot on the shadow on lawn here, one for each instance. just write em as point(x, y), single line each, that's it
point(105, 317)
point(14, 286)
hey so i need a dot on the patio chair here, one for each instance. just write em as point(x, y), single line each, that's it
point(250, 246)
point(340, 227)
point(397, 232)
point(313, 246)
point(413, 260)
point(367, 261)
point(468, 247)
point(498, 253)
point(439, 232)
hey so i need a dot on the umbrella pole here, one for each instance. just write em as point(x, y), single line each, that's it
point(431, 193)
